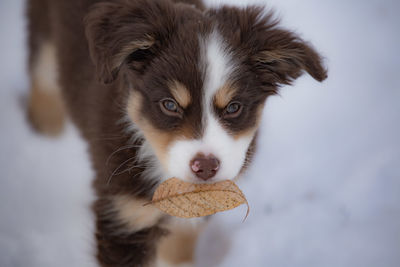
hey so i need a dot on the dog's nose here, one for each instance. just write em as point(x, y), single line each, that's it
point(205, 167)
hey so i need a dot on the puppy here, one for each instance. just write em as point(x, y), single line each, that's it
point(159, 89)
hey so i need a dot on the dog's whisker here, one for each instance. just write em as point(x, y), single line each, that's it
point(118, 150)
point(126, 170)
point(116, 169)
point(136, 175)
point(106, 138)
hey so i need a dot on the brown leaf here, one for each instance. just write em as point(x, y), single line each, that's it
point(186, 200)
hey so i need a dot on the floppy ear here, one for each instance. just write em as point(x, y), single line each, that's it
point(126, 32)
point(286, 58)
point(277, 56)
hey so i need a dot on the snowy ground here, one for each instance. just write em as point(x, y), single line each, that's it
point(324, 189)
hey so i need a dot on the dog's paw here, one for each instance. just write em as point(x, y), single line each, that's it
point(161, 263)
point(46, 111)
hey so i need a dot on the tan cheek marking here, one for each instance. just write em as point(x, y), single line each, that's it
point(224, 95)
point(251, 131)
point(134, 104)
point(180, 93)
point(158, 139)
point(132, 212)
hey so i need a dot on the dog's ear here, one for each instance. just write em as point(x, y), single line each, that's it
point(277, 56)
point(283, 57)
point(126, 32)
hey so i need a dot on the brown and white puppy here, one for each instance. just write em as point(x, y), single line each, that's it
point(159, 89)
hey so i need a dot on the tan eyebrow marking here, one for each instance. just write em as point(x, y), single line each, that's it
point(224, 95)
point(180, 93)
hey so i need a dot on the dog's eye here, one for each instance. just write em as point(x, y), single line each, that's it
point(170, 107)
point(233, 110)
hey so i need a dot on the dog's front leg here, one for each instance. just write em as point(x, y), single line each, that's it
point(127, 232)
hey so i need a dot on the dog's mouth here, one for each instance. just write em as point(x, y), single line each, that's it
point(195, 180)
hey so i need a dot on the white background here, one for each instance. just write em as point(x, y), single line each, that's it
point(324, 188)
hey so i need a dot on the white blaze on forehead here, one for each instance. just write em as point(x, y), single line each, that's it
point(218, 65)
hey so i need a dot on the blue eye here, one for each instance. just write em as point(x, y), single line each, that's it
point(170, 105)
point(233, 108)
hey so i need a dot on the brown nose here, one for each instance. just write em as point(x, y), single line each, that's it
point(205, 167)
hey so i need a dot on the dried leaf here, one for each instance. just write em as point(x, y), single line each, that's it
point(186, 200)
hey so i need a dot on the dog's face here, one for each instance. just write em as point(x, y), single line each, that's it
point(197, 80)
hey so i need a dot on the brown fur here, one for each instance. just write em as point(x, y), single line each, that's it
point(111, 51)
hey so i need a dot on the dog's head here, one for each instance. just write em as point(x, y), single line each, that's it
point(198, 80)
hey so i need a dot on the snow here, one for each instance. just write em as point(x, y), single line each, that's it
point(324, 188)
